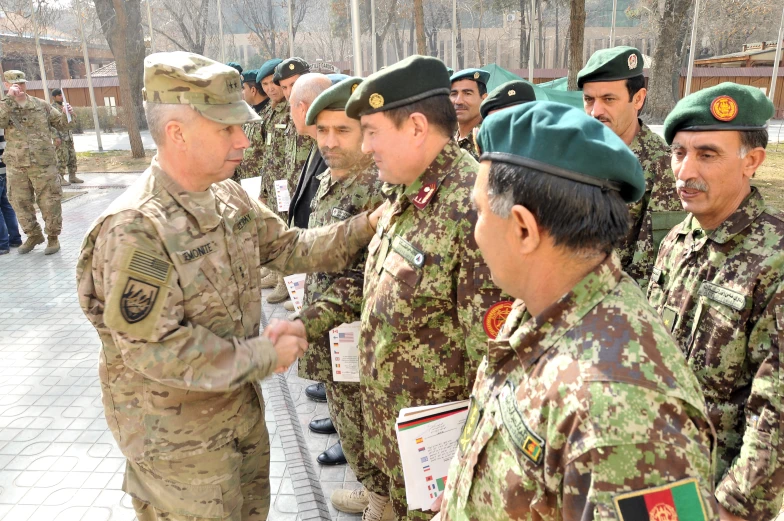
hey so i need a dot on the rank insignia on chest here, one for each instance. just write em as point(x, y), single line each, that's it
point(525, 440)
point(425, 194)
point(472, 421)
point(669, 317)
point(679, 501)
point(496, 317)
point(137, 300)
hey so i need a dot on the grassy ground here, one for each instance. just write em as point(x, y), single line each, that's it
point(112, 161)
point(770, 177)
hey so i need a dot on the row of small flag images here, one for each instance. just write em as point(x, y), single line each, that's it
point(342, 337)
point(434, 487)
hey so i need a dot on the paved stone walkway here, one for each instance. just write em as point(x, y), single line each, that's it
point(58, 460)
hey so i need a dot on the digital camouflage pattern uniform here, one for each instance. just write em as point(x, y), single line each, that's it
point(275, 160)
point(31, 162)
point(573, 407)
point(335, 201)
point(656, 213)
point(467, 143)
point(66, 153)
point(253, 157)
point(721, 293)
point(426, 291)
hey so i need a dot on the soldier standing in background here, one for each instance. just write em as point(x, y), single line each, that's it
point(468, 89)
point(614, 93)
point(31, 162)
point(253, 95)
point(64, 144)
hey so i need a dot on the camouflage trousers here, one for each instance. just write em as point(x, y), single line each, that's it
point(40, 185)
point(345, 408)
point(230, 483)
point(66, 158)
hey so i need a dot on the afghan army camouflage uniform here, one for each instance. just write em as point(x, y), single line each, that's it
point(467, 143)
point(426, 292)
point(721, 293)
point(337, 200)
point(66, 153)
point(253, 157)
point(31, 163)
point(587, 401)
point(656, 213)
point(274, 160)
point(170, 279)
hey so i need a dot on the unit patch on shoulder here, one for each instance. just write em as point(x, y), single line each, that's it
point(679, 501)
point(137, 300)
point(525, 440)
point(495, 318)
point(425, 194)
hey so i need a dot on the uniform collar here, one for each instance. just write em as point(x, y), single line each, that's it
point(354, 172)
point(208, 218)
point(260, 106)
point(748, 211)
point(283, 105)
point(530, 337)
point(641, 138)
point(423, 190)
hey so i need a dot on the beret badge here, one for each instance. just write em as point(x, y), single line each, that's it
point(376, 100)
point(724, 108)
point(632, 61)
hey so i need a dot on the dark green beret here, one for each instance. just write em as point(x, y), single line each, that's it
point(267, 69)
point(412, 79)
point(563, 141)
point(249, 75)
point(290, 67)
point(507, 94)
point(477, 75)
point(334, 98)
point(450, 70)
point(235, 65)
point(727, 106)
point(617, 63)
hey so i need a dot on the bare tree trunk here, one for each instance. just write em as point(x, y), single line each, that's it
point(556, 54)
point(540, 61)
point(524, 37)
point(460, 53)
point(577, 32)
point(419, 22)
point(479, 53)
point(665, 73)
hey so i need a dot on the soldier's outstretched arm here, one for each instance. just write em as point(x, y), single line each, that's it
point(753, 486)
point(138, 300)
point(341, 303)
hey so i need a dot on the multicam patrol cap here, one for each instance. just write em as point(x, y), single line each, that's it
point(616, 63)
point(478, 75)
point(267, 69)
point(726, 106)
point(290, 67)
point(14, 76)
point(211, 88)
point(334, 98)
point(410, 80)
point(562, 141)
point(506, 95)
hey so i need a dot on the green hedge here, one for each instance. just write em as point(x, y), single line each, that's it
point(107, 118)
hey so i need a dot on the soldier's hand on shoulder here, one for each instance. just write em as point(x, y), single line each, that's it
point(289, 348)
point(376, 215)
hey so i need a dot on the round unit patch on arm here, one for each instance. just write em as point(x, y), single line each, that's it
point(496, 317)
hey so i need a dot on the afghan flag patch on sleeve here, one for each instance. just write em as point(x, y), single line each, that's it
point(679, 501)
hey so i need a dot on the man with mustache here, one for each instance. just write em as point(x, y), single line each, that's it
point(614, 93)
point(718, 284)
point(468, 89)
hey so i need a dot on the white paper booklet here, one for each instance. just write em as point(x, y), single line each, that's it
point(252, 186)
point(282, 195)
point(295, 284)
point(344, 351)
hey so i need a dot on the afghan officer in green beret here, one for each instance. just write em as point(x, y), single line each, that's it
point(427, 291)
point(584, 407)
point(169, 277)
point(718, 284)
point(254, 96)
point(468, 89)
point(614, 93)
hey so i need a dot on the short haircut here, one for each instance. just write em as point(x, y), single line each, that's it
point(257, 86)
point(438, 110)
point(634, 85)
point(159, 114)
point(482, 88)
point(751, 139)
point(577, 216)
point(57, 92)
point(308, 87)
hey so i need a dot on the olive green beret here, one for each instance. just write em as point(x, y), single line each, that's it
point(235, 65)
point(334, 98)
point(563, 141)
point(290, 67)
point(267, 69)
point(616, 63)
point(410, 80)
point(249, 75)
point(14, 76)
point(211, 88)
point(477, 75)
point(727, 106)
point(507, 94)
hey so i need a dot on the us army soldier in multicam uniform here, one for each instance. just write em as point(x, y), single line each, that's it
point(614, 93)
point(31, 162)
point(169, 276)
point(583, 408)
point(719, 286)
point(64, 143)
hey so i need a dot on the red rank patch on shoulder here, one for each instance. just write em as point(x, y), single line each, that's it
point(495, 318)
point(425, 194)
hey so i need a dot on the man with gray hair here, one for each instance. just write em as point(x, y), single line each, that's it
point(169, 277)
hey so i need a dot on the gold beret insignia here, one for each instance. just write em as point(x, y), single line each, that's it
point(376, 100)
point(291, 66)
point(476, 75)
point(354, 87)
point(511, 92)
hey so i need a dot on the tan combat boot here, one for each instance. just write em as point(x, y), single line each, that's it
point(73, 179)
point(270, 281)
point(263, 272)
point(350, 501)
point(280, 293)
point(379, 508)
point(31, 242)
point(52, 245)
point(64, 181)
